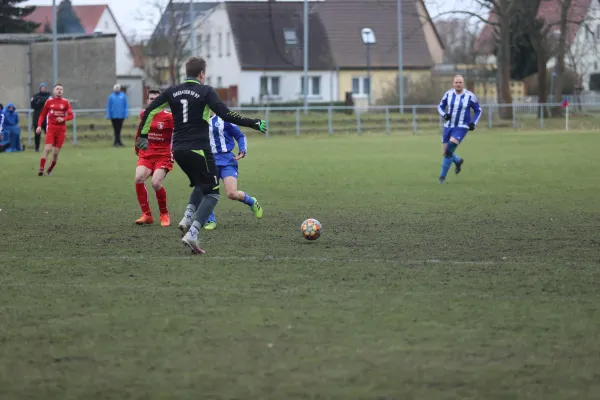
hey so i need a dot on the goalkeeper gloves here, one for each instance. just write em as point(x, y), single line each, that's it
point(471, 126)
point(447, 117)
point(260, 125)
point(142, 143)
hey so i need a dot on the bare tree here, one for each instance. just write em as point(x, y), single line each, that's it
point(582, 54)
point(497, 14)
point(547, 36)
point(458, 38)
point(165, 51)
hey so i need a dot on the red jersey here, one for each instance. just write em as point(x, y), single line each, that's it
point(55, 108)
point(160, 136)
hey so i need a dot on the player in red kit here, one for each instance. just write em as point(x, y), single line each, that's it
point(156, 161)
point(57, 111)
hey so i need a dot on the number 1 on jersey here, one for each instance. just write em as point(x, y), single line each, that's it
point(184, 103)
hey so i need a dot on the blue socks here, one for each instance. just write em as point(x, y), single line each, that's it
point(248, 200)
point(212, 217)
point(455, 158)
point(449, 158)
point(446, 164)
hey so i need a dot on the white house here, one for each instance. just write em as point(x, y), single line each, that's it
point(99, 18)
point(257, 47)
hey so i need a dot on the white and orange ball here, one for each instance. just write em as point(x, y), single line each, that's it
point(311, 229)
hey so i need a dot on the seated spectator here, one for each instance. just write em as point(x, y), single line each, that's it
point(11, 130)
point(3, 144)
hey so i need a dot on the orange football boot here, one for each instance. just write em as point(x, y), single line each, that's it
point(145, 219)
point(165, 219)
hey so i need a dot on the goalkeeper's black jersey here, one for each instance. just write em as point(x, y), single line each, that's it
point(190, 104)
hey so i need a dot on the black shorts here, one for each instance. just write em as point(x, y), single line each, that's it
point(198, 165)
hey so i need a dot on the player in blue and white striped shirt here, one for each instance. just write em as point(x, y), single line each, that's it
point(223, 136)
point(455, 107)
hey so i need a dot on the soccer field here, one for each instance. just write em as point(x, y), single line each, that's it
point(484, 288)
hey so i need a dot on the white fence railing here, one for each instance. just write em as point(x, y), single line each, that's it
point(92, 123)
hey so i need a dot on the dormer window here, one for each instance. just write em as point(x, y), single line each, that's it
point(290, 36)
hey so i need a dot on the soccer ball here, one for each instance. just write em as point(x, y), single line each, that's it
point(311, 229)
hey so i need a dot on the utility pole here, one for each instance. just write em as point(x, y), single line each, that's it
point(54, 45)
point(305, 45)
point(400, 67)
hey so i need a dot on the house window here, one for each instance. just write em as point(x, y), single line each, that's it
point(228, 44)
point(220, 44)
point(208, 46)
point(314, 86)
point(355, 86)
point(208, 80)
point(269, 85)
point(219, 81)
point(290, 36)
point(199, 44)
point(598, 32)
point(275, 86)
point(361, 85)
point(106, 25)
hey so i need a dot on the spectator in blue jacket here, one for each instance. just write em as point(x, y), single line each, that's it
point(3, 145)
point(11, 130)
point(117, 110)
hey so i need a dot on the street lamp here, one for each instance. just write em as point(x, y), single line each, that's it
point(368, 39)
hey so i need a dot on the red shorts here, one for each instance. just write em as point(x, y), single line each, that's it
point(56, 136)
point(156, 162)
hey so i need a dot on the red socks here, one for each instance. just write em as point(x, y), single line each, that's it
point(142, 195)
point(42, 164)
point(52, 166)
point(161, 197)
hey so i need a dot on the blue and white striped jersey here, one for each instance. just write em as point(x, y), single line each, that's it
point(1, 121)
point(459, 107)
point(223, 136)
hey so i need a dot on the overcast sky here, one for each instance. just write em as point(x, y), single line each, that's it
point(128, 12)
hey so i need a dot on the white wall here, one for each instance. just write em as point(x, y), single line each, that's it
point(123, 59)
point(585, 50)
point(221, 61)
point(135, 90)
point(289, 86)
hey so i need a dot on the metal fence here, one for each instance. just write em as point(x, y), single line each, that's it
point(390, 120)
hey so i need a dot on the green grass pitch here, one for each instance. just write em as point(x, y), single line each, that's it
point(484, 288)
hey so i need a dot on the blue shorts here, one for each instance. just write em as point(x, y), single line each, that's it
point(228, 170)
point(457, 133)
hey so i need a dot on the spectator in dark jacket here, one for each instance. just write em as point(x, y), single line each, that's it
point(37, 104)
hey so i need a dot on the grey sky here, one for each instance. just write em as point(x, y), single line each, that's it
point(128, 12)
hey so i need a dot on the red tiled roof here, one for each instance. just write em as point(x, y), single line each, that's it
point(549, 11)
point(88, 15)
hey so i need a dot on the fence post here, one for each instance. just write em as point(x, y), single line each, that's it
point(29, 122)
point(74, 127)
point(567, 117)
point(267, 120)
point(514, 114)
point(358, 121)
point(387, 120)
point(297, 122)
point(329, 120)
point(490, 123)
point(542, 112)
point(414, 113)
